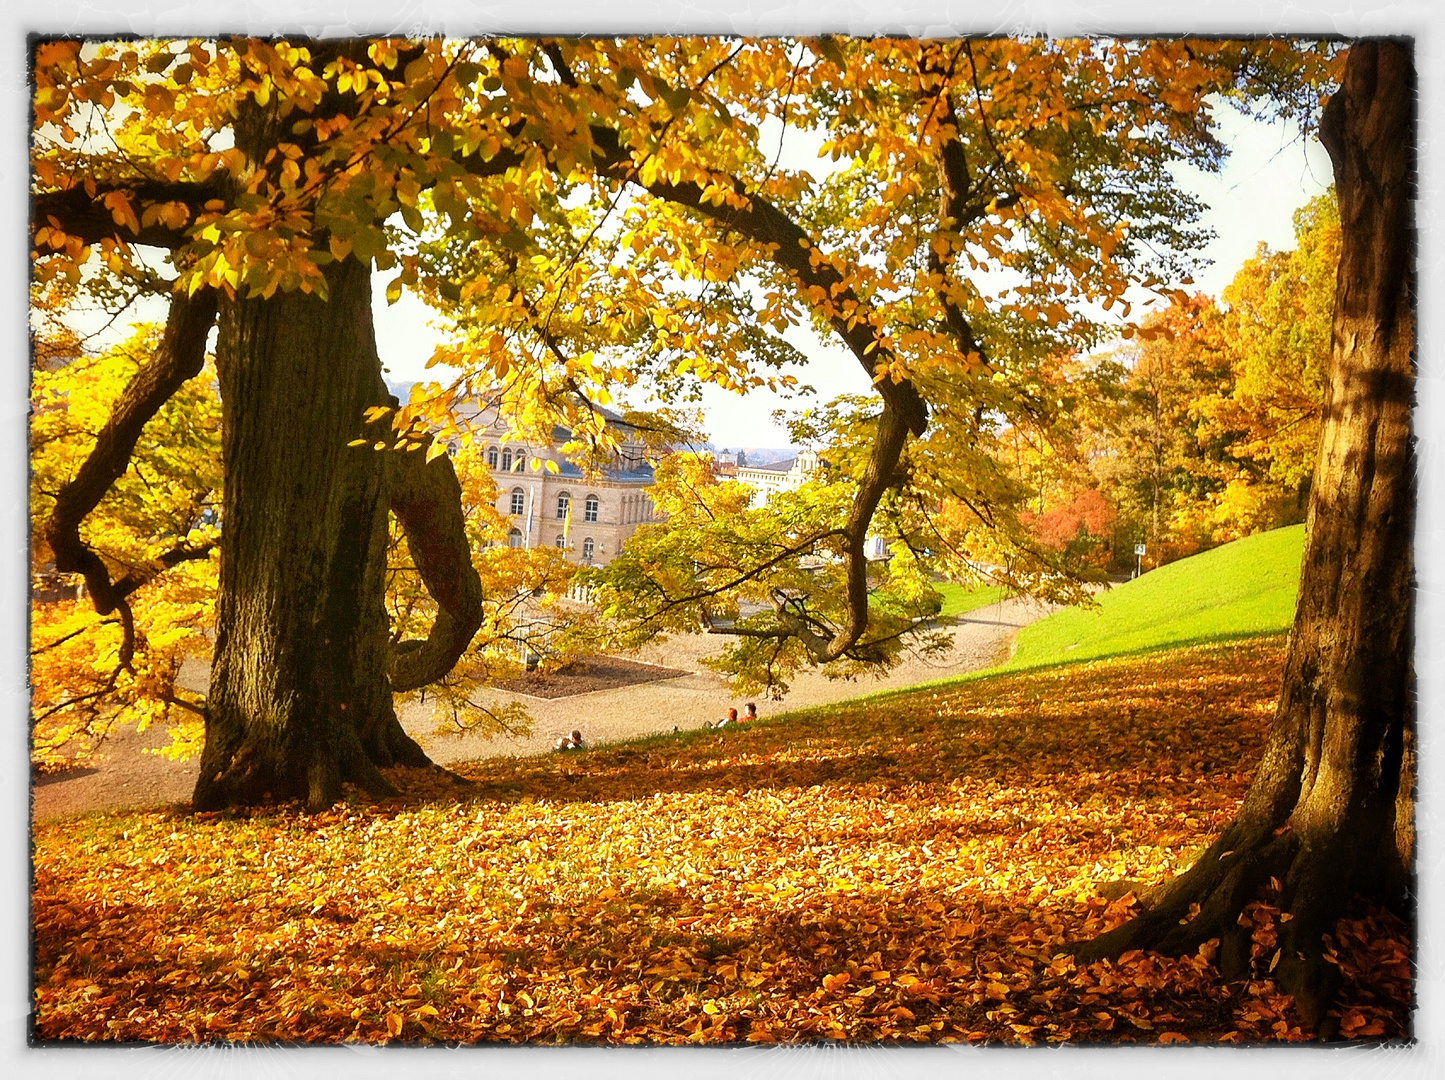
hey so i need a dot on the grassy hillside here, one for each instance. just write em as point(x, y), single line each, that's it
point(958, 600)
point(1247, 587)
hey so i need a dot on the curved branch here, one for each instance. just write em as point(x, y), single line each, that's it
point(427, 501)
point(954, 212)
point(180, 357)
point(880, 474)
point(904, 410)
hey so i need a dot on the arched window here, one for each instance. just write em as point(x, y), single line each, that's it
point(520, 461)
point(561, 541)
point(514, 538)
point(590, 508)
point(506, 461)
point(587, 549)
point(519, 500)
point(564, 500)
point(491, 457)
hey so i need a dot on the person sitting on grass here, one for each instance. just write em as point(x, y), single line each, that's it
point(572, 742)
point(730, 718)
point(752, 712)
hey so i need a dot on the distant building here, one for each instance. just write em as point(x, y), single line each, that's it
point(788, 475)
point(590, 517)
point(768, 480)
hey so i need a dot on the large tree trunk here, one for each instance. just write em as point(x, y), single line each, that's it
point(1329, 812)
point(299, 700)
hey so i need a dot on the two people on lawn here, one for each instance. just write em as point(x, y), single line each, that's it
point(575, 741)
point(733, 718)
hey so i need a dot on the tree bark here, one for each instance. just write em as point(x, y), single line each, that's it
point(1329, 811)
point(301, 642)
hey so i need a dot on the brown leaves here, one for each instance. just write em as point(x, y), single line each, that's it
point(897, 870)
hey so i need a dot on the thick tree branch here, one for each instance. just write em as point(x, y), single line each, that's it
point(82, 213)
point(427, 500)
point(954, 212)
point(904, 411)
point(879, 475)
point(180, 357)
point(793, 250)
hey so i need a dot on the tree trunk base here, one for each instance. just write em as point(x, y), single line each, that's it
point(253, 773)
point(1310, 882)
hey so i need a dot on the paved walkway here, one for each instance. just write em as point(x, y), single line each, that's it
point(130, 778)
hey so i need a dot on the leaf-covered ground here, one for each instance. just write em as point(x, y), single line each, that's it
point(896, 870)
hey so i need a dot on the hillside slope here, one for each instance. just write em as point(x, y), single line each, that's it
point(1244, 588)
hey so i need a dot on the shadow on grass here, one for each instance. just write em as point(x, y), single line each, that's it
point(1140, 721)
point(1203, 641)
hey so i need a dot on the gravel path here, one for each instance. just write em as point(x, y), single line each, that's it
point(130, 778)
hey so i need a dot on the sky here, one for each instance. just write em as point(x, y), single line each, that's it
point(1272, 170)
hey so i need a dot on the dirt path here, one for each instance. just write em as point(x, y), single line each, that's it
point(130, 778)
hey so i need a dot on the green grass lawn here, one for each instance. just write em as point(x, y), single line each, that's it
point(958, 600)
point(1244, 588)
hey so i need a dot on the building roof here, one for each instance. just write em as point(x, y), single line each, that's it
point(772, 466)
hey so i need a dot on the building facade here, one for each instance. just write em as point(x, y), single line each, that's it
point(588, 516)
point(767, 480)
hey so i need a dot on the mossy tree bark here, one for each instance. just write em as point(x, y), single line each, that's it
point(1329, 813)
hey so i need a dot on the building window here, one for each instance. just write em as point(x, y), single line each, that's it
point(590, 513)
point(491, 457)
point(506, 461)
point(521, 460)
point(587, 550)
point(561, 541)
point(519, 500)
point(564, 500)
point(514, 538)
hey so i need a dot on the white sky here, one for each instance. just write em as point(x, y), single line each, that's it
point(1270, 173)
